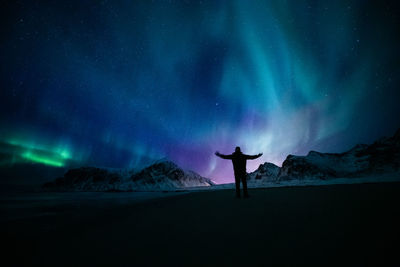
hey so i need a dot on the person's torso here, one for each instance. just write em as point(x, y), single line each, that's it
point(239, 163)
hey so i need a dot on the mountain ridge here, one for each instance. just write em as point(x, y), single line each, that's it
point(382, 156)
point(162, 175)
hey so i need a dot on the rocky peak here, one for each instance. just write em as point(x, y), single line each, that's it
point(265, 172)
point(166, 173)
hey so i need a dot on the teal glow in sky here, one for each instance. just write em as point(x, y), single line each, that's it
point(122, 83)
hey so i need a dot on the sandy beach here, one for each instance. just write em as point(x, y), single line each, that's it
point(354, 225)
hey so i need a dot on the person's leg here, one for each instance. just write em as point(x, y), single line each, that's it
point(244, 181)
point(237, 183)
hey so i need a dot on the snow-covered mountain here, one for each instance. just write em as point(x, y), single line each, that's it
point(167, 175)
point(266, 172)
point(162, 175)
point(383, 156)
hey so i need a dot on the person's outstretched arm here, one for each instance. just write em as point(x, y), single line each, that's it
point(223, 156)
point(253, 156)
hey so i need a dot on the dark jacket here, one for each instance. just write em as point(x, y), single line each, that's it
point(239, 161)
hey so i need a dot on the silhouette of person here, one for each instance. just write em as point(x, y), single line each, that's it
point(239, 168)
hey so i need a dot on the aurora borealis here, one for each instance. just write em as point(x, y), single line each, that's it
point(124, 83)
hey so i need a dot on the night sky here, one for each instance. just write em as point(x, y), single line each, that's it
point(124, 83)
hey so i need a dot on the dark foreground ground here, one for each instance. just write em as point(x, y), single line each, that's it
point(353, 225)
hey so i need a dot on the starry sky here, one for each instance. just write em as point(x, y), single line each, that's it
point(125, 83)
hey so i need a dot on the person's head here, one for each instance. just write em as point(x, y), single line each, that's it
point(237, 149)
